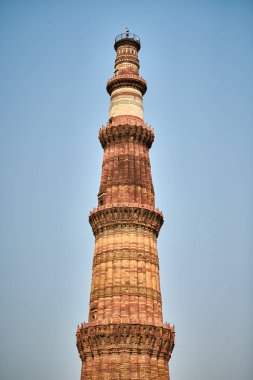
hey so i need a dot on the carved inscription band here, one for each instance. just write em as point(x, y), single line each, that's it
point(130, 182)
point(110, 291)
point(127, 58)
point(126, 157)
point(124, 255)
point(129, 338)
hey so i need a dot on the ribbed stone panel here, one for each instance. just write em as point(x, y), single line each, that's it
point(125, 337)
point(125, 280)
point(126, 173)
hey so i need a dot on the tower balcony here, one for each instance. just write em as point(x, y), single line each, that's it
point(126, 80)
point(127, 37)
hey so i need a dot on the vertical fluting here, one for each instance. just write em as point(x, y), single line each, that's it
point(125, 337)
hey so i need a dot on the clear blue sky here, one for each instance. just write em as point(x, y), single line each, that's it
point(197, 57)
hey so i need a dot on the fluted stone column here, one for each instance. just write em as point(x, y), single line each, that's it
point(125, 337)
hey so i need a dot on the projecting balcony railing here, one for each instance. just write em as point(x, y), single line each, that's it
point(128, 80)
point(129, 36)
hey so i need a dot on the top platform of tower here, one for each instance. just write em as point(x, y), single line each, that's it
point(125, 37)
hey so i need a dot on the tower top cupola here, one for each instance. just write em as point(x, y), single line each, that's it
point(126, 38)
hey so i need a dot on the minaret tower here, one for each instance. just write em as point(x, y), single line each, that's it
point(125, 337)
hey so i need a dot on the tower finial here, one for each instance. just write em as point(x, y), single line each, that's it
point(127, 31)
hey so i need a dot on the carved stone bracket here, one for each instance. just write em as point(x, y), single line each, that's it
point(112, 216)
point(125, 132)
point(129, 338)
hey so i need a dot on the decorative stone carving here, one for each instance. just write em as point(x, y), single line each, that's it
point(105, 217)
point(130, 338)
point(126, 254)
point(144, 134)
point(117, 290)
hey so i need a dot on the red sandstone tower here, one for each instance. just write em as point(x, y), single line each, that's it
point(125, 337)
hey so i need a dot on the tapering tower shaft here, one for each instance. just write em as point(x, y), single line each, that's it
point(125, 337)
point(126, 87)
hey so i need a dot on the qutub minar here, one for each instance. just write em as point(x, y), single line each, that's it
point(125, 337)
